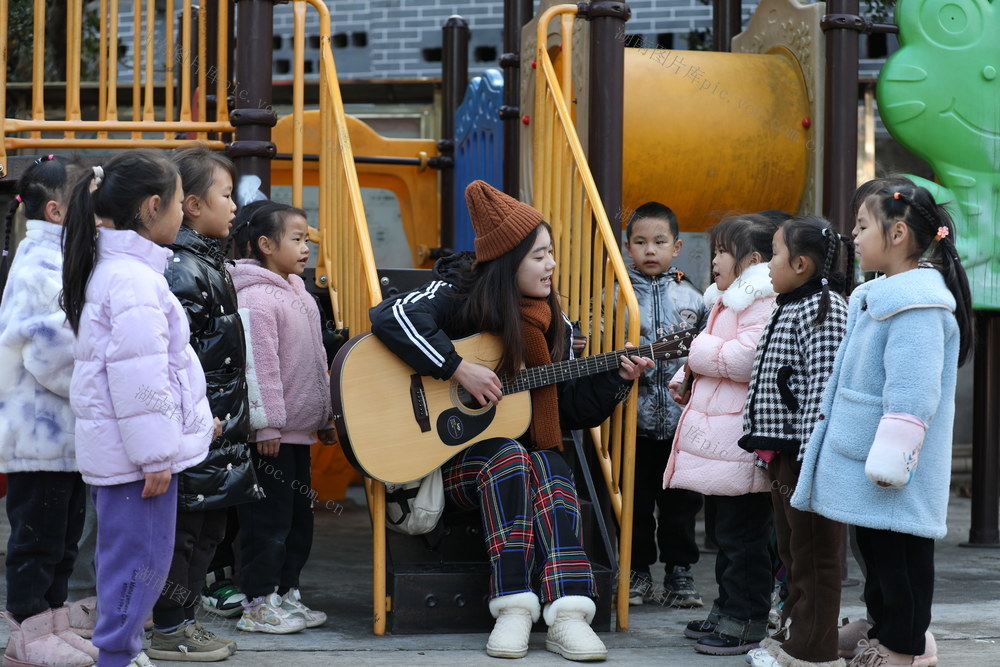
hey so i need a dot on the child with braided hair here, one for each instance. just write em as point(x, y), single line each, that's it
point(45, 492)
point(794, 359)
point(882, 410)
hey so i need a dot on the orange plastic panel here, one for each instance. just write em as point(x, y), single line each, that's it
point(416, 188)
point(710, 134)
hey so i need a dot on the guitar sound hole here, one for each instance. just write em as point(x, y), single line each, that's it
point(467, 399)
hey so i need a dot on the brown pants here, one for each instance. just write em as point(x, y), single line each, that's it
point(810, 546)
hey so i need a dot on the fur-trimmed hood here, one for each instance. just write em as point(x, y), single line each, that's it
point(754, 283)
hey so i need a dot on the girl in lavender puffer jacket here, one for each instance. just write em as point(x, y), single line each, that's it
point(289, 392)
point(706, 455)
point(138, 390)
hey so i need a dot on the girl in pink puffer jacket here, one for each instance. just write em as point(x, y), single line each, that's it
point(289, 392)
point(706, 456)
point(138, 390)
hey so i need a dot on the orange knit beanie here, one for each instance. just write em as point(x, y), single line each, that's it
point(500, 221)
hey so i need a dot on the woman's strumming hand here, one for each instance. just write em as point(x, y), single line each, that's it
point(479, 381)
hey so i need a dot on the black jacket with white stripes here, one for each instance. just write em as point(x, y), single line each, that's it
point(793, 363)
point(419, 325)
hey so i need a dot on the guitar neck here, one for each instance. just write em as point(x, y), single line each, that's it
point(540, 376)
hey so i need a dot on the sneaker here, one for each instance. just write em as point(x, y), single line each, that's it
point(699, 629)
point(848, 636)
point(141, 660)
point(679, 587)
point(721, 644)
point(228, 643)
point(291, 602)
point(640, 588)
point(222, 598)
point(188, 643)
point(761, 657)
point(264, 614)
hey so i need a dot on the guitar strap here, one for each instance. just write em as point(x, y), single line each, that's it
point(536, 318)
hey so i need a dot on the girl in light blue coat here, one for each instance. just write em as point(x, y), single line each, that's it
point(890, 404)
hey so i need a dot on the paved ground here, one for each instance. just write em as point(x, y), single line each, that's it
point(338, 580)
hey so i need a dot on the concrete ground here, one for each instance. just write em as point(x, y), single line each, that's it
point(338, 580)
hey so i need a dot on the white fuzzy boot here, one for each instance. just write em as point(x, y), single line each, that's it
point(515, 614)
point(570, 634)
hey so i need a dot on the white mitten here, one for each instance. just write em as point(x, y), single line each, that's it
point(893, 455)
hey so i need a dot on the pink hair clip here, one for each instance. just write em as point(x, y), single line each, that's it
point(942, 232)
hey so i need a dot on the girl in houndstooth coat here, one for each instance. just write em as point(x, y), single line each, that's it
point(794, 361)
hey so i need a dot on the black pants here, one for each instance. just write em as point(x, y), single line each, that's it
point(46, 512)
point(226, 551)
point(276, 533)
point(196, 537)
point(743, 564)
point(673, 533)
point(899, 587)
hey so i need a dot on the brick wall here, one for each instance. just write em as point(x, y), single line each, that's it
point(401, 39)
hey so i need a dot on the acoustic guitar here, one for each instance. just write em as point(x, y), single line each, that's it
point(396, 425)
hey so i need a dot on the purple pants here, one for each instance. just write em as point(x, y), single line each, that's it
point(135, 542)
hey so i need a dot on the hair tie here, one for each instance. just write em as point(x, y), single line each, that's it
point(896, 195)
point(98, 175)
point(824, 282)
point(44, 158)
point(18, 198)
point(942, 232)
point(825, 230)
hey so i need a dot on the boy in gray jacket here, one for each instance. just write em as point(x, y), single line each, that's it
point(666, 299)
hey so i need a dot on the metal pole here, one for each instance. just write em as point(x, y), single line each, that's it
point(455, 78)
point(211, 56)
point(727, 22)
point(984, 531)
point(840, 143)
point(253, 116)
point(515, 14)
point(607, 93)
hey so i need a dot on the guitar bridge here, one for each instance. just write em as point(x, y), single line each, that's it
point(418, 397)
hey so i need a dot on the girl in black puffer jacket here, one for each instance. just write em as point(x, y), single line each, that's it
point(198, 277)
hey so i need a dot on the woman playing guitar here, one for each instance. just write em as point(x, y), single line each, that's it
point(525, 491)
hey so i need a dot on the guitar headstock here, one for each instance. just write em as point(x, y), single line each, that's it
point(674, 343)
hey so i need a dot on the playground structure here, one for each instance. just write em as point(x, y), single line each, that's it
point(777, 131)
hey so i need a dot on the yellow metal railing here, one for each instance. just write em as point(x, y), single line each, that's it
point(346, 265)
point(592, 277)
point(67, 128)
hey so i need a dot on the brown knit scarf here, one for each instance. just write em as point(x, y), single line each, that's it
point(536, 318)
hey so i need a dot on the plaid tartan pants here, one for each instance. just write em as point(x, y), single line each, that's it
point(531, 517)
